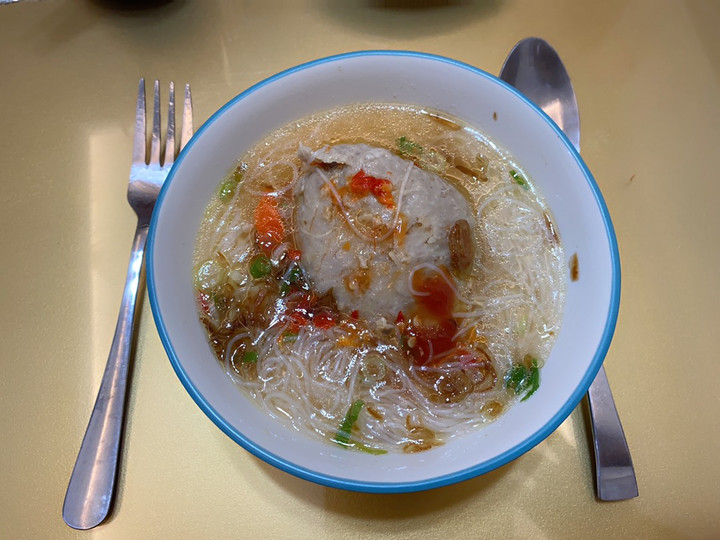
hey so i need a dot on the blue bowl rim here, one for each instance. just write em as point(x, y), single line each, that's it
point(392, 487)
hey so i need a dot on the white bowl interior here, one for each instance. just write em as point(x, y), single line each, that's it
point(475, 97)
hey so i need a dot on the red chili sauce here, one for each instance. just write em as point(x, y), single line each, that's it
point(430, 325)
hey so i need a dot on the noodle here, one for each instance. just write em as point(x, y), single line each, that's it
point(305, 361)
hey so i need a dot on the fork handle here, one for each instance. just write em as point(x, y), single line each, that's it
point(90, 491)
point(614, 470)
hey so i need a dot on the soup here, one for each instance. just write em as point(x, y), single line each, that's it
point(380, 276)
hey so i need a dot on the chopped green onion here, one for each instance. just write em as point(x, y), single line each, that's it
point(250, 357)
point(366, 449)
point(227, 188)
point(515, 378)
point(289, 337)
point(373, 368)
point(239, 171)
point(351, 417)
point(519, 179)
point(342, 437)
point(406, 146)
point(533, 380)
point(220, 302)
point(260, 266)
point(294, 274)
point(523, 378)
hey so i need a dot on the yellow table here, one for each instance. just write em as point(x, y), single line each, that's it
point(647, 76)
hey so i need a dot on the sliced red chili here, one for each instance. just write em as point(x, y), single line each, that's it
point(362, 184)
point(204, 301)
point(323, 320)
point(268, 223)
point(297, 320)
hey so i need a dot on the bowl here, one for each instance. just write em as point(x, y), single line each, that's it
point(481, 100)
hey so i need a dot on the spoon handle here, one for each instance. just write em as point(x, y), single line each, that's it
point(613, 465)
point(534, 68)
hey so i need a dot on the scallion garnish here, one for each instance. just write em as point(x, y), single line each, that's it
point(519, 179)
point(351, 417)
point(227, 188)
point(406, 146)
point(524, 378)
point(342, 437)
point(289, 337)
point(260, 266)
point(250, 357)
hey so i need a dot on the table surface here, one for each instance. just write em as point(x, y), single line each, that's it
point(647, 76)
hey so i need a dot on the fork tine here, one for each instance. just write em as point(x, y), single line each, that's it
point(187, 127)
point(155, 139)
point(170, 137)
point(140, 142)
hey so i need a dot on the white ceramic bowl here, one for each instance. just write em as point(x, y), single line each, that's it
point(438, 83)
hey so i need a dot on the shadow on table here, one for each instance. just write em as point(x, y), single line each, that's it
point(515, 485)
point(63, 26)
point(704, 17)
point(385, 506)
point(137, 6)
point(402, 19)
point(558, 471)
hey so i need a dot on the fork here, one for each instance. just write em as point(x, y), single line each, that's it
point(91, 488)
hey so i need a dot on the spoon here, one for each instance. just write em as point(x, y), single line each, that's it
point(535, 69)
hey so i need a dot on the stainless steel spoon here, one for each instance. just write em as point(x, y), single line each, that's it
point(535, 69)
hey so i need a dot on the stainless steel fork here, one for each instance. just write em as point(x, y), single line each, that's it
point(91, 488)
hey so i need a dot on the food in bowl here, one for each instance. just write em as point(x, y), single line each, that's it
point(381, 276)
point(433, 83)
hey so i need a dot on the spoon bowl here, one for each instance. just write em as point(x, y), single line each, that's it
point(535, 69)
